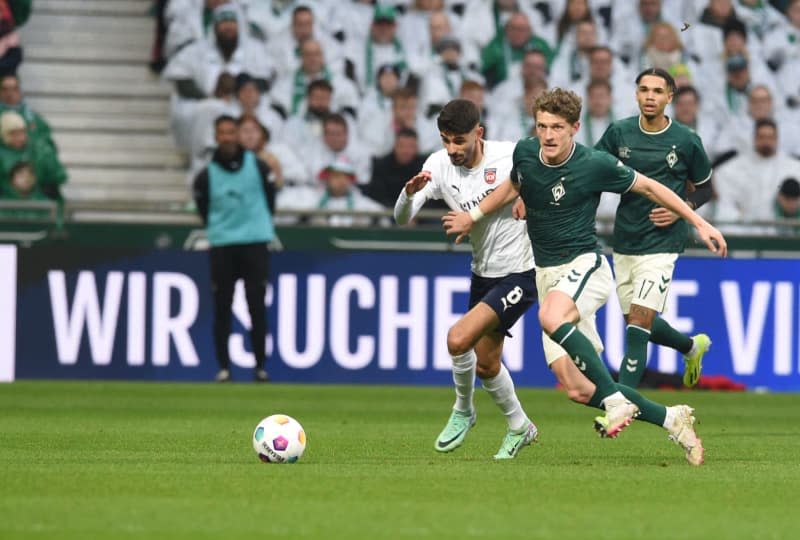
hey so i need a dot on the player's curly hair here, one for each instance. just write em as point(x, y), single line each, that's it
point(560, 102)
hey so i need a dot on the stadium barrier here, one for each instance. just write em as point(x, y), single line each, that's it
point(351, 316)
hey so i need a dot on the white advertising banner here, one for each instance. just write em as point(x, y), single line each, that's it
point(8, 311)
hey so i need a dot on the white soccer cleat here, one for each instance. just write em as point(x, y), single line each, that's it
point(681, 432)
point(619, 415)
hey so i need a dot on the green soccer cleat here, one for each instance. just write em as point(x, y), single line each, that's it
point(455, 431)
point(514, 441)
point(694, 360)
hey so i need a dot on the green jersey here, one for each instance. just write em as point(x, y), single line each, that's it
point(670, 156)
point(561, 200)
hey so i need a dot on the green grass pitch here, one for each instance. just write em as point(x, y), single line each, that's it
point(91, 460)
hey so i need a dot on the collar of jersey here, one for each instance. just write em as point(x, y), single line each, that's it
point(669, 123)
point(571, 152)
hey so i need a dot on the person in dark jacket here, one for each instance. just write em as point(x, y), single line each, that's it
point(391, 172)
point(235, 198)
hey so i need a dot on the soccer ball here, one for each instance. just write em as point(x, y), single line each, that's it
point(279, 439)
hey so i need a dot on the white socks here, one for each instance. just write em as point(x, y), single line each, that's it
point(613, 399)
point(693, 349)
point(501, 388)
point(464, 380)
point(669, 419)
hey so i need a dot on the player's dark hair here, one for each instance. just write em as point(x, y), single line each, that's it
point(458, 117)
point(560, 102)
point(658, 72)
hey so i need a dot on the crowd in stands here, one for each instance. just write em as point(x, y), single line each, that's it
point(350, 90)
point(29, 164)
point(333, 90)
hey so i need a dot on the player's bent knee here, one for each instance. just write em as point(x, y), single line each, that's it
point(549, 322)
point(487, 371)
point(458, 342)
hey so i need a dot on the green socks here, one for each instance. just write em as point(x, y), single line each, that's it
point(632, 367)
point(649, 411)
point(661, 333)
point(582, 352)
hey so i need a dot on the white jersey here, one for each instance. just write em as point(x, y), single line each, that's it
point(500, 244)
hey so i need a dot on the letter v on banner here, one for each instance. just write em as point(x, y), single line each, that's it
point(8, 311)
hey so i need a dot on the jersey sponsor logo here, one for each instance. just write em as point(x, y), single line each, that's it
point(624, 152)
point(558, 192)
point(519, 177)
point(490, 175)
point(467, 205)
point(672, 158)
point(455, 187)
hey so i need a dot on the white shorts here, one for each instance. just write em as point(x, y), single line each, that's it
point(644, 280)
point(587, 279)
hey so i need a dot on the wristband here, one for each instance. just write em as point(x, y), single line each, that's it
point(476, 214)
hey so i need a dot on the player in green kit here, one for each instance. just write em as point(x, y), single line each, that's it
point(647, 237)
point(560, 182)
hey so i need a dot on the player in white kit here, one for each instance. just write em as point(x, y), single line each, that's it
point(503, 283)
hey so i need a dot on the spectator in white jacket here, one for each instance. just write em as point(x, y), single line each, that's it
point(746, 185)
point(195, 69)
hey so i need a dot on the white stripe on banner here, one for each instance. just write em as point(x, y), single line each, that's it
point(8, 311)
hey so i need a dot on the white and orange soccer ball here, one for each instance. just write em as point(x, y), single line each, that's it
point(279, 439)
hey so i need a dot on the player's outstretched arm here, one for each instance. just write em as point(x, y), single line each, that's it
point(663, 196)
point(460, 223)
point(407, 206)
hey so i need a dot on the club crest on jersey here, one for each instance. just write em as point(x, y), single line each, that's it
point(558, 191)
point(672, 158)
point(624, 152)
point(489, 175)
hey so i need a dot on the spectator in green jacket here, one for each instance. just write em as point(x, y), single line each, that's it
point(11, 100)
point(16, 146)
point(22, 184)
point(22, 187)
point(508, 48)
